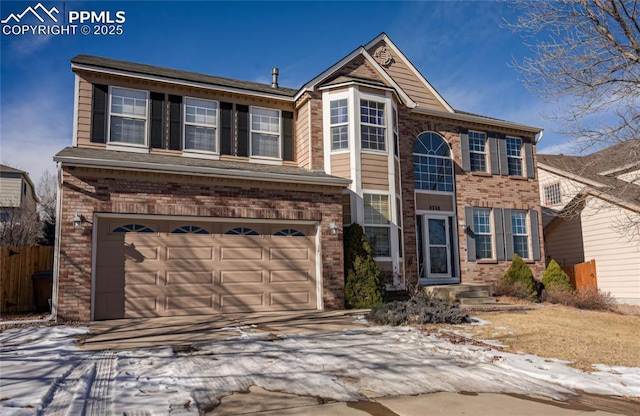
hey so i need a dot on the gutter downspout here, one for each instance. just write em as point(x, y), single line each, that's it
point(540, 137)
point(56, 260)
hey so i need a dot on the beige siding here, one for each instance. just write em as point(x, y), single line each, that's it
point(302, 135)
point(632, 177)
point(341, 165)
point(10, 190)
point(408, 81)
point(375, 171)
point(84, 113)
point(568, 188)
point(563, 242)
point(617, 257)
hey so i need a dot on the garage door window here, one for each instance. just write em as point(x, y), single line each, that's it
point(289, 232)
point(133, 228)
point(189, 229)
point(241, 231)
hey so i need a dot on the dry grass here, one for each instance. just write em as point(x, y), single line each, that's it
point(582, 337)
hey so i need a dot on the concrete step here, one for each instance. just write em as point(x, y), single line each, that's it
point(473, 294)
point(477, 301)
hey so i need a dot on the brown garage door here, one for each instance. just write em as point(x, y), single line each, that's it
point(168, 268)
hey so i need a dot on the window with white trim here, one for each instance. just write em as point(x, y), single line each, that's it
point(372, 125)
point(200, 125)
point(552, 195)
point(432, 164)
point(128, 116)
point(377, 224)
point(339, 122)
point(514, 156)
point(396, 143)
point(520, 235)
point(477, 151)
point(483, 234)
point(265, 133)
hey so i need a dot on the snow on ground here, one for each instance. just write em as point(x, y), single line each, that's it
point(43, 371)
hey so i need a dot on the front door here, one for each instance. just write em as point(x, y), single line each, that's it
point(438, 258)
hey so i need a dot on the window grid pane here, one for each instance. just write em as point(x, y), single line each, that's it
point(433, 173)
point(373, 138)
point(339, 111)
point(128, 102)
point(372, 112)
point(477, 151)
point(482, 230)
point(204, 113)
point(514, 156)
point(520, 235)
point(379, 240)
point(339, 137)
point(265, 133)
point(200, 138)
point(127, 130)
point(265, 145)
point(265, 121)
point(376, 209)
point(552, 194)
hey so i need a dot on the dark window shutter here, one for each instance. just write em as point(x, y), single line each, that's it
point(471, 242)
point(493, 153)
point(535, 235)
point(508, 234)
point(99, 113)
point(287, 136)
point(175, 122)
point(528, 154)
point(157, 120)
point(464, 145)
point(243, 130)
point(226, 128)
point(498, 225)
point(502, 151)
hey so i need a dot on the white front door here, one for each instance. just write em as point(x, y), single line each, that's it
point(438, 259)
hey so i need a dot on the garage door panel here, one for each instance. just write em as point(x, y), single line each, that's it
point(176, 253)
point(241, 253)
point(231, 277)
point(289, 276)
point(187, 272)
point(290, 299)
point(189, 277)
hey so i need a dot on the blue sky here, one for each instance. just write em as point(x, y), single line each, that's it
point(462, 49)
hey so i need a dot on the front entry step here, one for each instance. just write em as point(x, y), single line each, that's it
point(469, 295)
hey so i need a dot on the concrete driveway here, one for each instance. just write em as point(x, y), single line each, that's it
point(124, 334)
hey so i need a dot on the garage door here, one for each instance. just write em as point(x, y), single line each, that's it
point(169, 268)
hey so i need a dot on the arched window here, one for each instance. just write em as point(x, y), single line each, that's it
point(189, 229)
point(289, 232)
point(241, 231)
point(133, 228)
point(432, 164)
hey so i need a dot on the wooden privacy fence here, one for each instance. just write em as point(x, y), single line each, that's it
point(582, 275)
point(17, 265)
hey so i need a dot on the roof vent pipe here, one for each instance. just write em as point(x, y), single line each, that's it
point(274, 77)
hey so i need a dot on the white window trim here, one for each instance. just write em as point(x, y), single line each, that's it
point(388, 225)
point(492, 229)
point(527, 227)
point(395, 131)
point(379, 99)
point(521, 157)
point(129, 146)
point(196, 152)
point(544, 191)
point(486, 159)
point(332, 98)
point(264, 159)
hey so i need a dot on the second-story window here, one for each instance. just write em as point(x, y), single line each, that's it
point(514, 156)
point(372, 125)
point(128, 116)
point(265, 133)
point(339, 124)
point(552, 195)
point(477, 151)
point(200, 124)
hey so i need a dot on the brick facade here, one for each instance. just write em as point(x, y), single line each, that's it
point(89, 191)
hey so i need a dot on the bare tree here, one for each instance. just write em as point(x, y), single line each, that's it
point(47, 193)
point(20, 227)
point(586, 59)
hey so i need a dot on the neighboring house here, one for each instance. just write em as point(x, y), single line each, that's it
point(17, 194)
point(201, 194)
point(592, 211)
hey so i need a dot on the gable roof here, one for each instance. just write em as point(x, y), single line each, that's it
point(173, 75)
point(13, 172)
point(597, 170)
point(384, 38)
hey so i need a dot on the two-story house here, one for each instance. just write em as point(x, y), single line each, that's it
point(17, 196)
point(592, 212)
point(197, 194)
